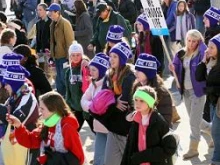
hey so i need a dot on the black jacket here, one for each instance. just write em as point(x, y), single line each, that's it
point(200, 6)
point(128, 10)
point(159, 150)
point(43, 35)
point(114, 119)
point(211, 32)
point(212, 81)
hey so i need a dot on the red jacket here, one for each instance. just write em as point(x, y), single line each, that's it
point(71, 137)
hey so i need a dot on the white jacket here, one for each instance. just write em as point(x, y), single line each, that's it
point(86, 101)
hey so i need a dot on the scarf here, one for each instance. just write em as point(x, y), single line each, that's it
point(181, 27)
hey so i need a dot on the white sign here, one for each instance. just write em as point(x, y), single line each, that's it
point(155, 17)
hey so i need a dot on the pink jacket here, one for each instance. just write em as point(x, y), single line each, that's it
point(86, 100)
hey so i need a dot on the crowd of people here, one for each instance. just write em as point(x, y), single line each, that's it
point(109, 71)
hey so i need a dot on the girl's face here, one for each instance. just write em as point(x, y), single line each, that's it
point(94, 72)
point(212, 50)
point(206, 22)
point(9, 89)
point(141, 77)
point(140, 27)
point(141, 106)
point(75, 58)
point(192, 44)
point(44, 110)
point(181, 7)
point(114, 60)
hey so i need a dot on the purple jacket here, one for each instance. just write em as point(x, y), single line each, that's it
point(198, 87)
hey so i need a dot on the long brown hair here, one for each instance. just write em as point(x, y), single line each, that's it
point(54, 103)
point(186, 9)
point(80, 7)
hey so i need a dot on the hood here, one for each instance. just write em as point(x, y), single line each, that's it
point(71, 119)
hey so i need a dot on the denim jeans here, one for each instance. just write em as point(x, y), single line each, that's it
point(60, 82)
point(212, 111)
point(100, 143)
point(216, 137)
point(199, 23)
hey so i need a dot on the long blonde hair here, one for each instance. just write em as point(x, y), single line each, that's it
point(196, 35)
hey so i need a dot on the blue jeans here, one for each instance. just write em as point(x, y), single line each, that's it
point(100, 143)
point(60, 82)
point(212, 111)
point(199, 23)
point(216, 137)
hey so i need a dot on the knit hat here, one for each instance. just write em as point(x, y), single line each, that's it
point(147, 64)
point(115, 33)
point(101, 62)
point(11, 59)
point(15, 76)
point(142, 18)
point(76, 48)
point(213, 14)
point(216, 41)
point(123, 51)
point(2, 71)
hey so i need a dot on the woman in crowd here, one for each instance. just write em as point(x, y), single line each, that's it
point(147, 140)
point(58, 145)
point(98, 67)
point(185, 21)
point(119, 80)
point(184, 65)
point(147, 43)
point(146, 74)
point(209, 70)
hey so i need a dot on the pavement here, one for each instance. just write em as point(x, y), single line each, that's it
point(181, 128)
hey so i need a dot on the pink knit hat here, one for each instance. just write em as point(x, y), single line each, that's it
point(101, 101)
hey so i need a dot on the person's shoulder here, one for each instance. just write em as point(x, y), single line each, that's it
point(70, 121)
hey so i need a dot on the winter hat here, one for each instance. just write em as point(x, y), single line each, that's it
point(101, 62)
point(147, 64)
point(75, 48)
point(101, 101)
point(213, 14)
point(216, 41)
point(123, 51)
point(115, 33)
point(142, 18)
point(11, 59)
point(2, 71)
point(15, 76)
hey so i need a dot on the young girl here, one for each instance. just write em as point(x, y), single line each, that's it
point(185, 21)
point(184, 64)
point(77, 81)
point(146, 74)
point(209, 70)
point(22, 104)
point(98, 67)
point(57, 138)
point(147, 43)
point(120, 80)
point(147, 143)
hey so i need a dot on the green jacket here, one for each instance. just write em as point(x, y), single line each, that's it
point(73, 90)
point(99, 37)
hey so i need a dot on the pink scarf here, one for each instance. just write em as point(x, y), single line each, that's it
point(142, 133)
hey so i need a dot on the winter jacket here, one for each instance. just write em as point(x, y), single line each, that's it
point(159, 150)
point(29, 7)
point(170, 19)
point(43, 35)
point(87, 99)
point(212, 81)
point(25, 108)
point(84, 31)
point(71, 138)
point(200, 6)
point(61, 37)
point(198, 87)
point(101, 29)
point(211, 32)
point(114, 119)
point(127, 10)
